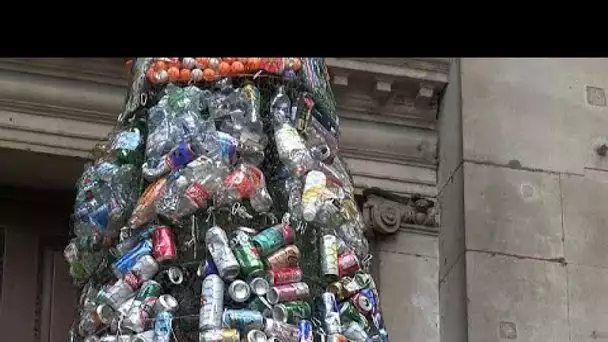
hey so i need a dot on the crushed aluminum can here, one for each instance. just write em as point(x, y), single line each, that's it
point(126, 262)
point(223, 257)
point(239, 291)
point(331, 314)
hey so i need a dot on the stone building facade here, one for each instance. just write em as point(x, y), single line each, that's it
point(481, 181)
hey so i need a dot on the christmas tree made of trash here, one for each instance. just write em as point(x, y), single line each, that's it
point(219, 209)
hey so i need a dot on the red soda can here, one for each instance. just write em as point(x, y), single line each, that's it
point(163, 243)
point(288, 293)
point(348, 263)
point(280, 276)
point(285, 257)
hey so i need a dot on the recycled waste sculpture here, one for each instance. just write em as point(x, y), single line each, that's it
point(219, 209)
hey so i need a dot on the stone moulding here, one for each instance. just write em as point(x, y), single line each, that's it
point(386, 213)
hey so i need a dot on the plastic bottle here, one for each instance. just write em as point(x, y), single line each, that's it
point(312, 196)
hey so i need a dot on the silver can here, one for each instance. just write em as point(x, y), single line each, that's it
point(256, 336)
point(145, 268)
point(212, 305)
point(105, 313)
point(281, 331)
point(223, 257)
point(166, 303)
point(353, 331)
point(329, 257)
point(239, 291)
point(117, 294)
point(331, 316)
point(259, 286)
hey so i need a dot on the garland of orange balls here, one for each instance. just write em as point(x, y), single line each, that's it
point(198, 69)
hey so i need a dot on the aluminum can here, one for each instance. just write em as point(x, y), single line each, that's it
point(212, 303)
point(145, 268)
point(105, 313)
point(362, 303)
point(288, 292)
point(220, 335)
point(117, 294)
point(347, 287)
point(287, 275)
point(162, 327)
point(126, 262)
point(124, 308)
point(259, 304)
point(281, 331)
point(330, 314)
point(242, 320)
point(348, 313)
point(239, 291)
point(273, 238)
point(163, 242)
point(348, 263)
point(247, 256)
point(130, 242)
point(355, 332)
point(259, 286)
point(206, 268)
point(256, 336)
point(305, 333)
point(223, 257)
point(145, 336)
point(285, 257)
point(291, 312)
point(132, 280)
point(166, 303)
point(329, 257)
point(149, 289)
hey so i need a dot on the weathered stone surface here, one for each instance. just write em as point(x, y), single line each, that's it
point(531, 111)
point(453, 304)
point(588, 303)
point(452, 234)
point(408, 243)
point(450, 127)
point(513, 211)
point(409, 296)
point(520, 299)
point(586, 218)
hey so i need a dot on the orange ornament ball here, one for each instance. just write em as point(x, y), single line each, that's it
point(174, 62)
point(160, 65)
point(202, 62)
point(184, 75)
point(243, 60)
point(208, 74)
point(254, 63)
point(228, 60)
point(297, 64)
point(224, 68)
point(151, 75)
point(173, 73)
point(237, 67)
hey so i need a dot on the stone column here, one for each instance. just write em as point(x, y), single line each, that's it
point(523, 188)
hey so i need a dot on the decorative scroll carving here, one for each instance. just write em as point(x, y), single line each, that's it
point(385, 213)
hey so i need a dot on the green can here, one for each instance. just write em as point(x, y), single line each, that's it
point(272, 239)
point(291, 312)
point(148, 289)
point(259, 304)
point(349, 313)
point(247, 255)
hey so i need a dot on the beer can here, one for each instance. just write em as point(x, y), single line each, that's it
point(242, 320)
point(348, 263)
point(163, 242)
point(288, 292)
point(281, 331)
point(126, 262)
point(212, 303)
point(259, 304)
point(145, 268)
point(285, 257)
point(305, 333)
point(291, 312)
point(247, 255)
point(223, 257)
point(145, 336)
point(166, 303)
point(259, 286)
point(271, 239)
point(220, 335)
point(287, 275)
point(330, 313)
point(362, 303)
point(355, 332)
point(117, 294)
point(239, 291)
point(162, 327)
point(256, 336)
point(329, 257)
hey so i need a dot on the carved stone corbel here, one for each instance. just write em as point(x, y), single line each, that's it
point(386, 213)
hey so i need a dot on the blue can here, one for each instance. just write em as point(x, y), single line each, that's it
point(100, 217)
point(180, 156)
point(305, 331)
point(227, 145)
point(126, 262)
point(206, 268)
point(243, 320)
point(162, 327)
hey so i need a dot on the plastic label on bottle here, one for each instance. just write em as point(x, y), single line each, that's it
point(227, 145)
point(197, 194)
point(180, 156)
point(127, 140)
